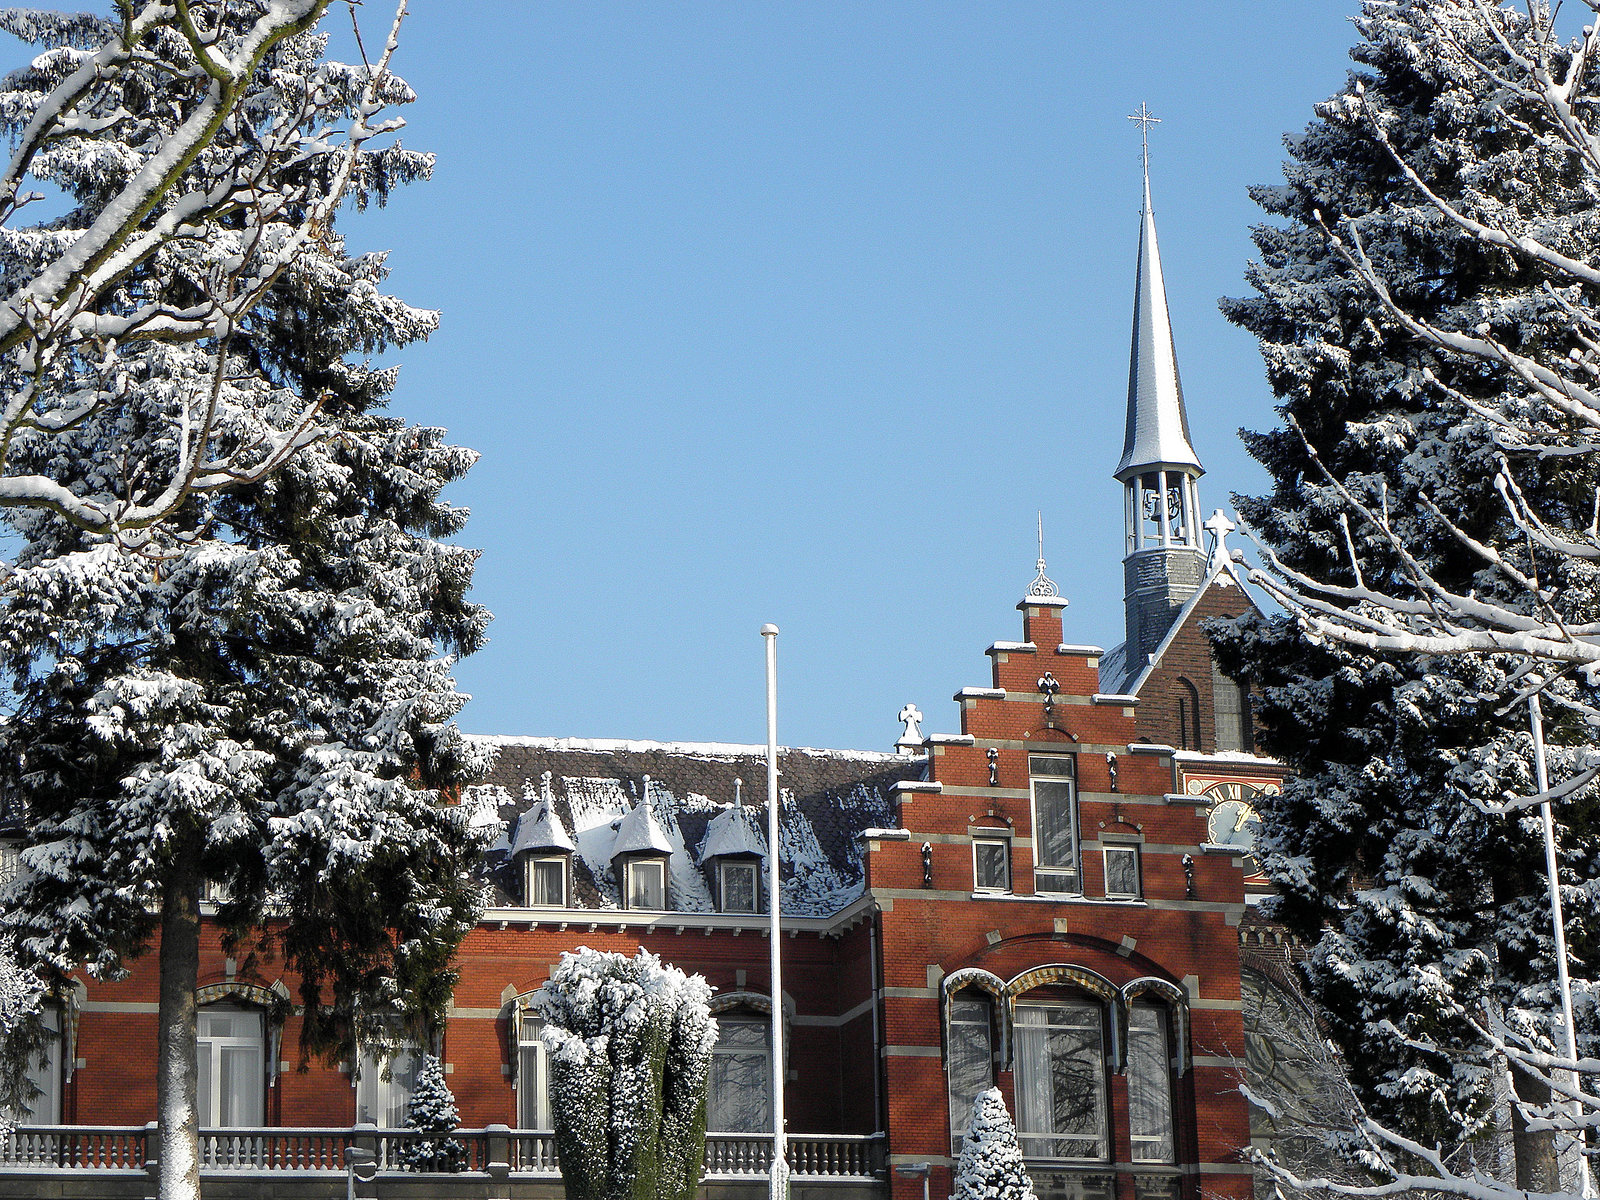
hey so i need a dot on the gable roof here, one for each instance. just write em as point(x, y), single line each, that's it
point(1120, 676)
point(828, 798)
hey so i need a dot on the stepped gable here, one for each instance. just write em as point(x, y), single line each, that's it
point(829, 798)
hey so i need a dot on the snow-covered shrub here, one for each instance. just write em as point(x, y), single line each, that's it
point(630, 1043)
point(433, 1110)
point(990, 1167)
point(22, 1033)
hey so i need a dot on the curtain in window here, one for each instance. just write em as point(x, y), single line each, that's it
point(231, 1049)
point(45, 1108)
point(547, 882)
point(1149, 1085)
point(385, 1084)
point(1059, 1052)
point(533, 1081)
point(970, 1066)
point(740, 1093)
point(647, 885)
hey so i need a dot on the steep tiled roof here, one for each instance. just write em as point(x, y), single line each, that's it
point(828, 798)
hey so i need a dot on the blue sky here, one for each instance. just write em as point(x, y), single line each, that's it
point(799, 312)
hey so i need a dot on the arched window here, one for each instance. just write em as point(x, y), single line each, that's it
point(231, 1050)
point(1232, 709)
point(1188, 715)
point(971, 1063)
point(386, 1076)
point(1150, 1083)
point(740, 1089)
point(533, 1076)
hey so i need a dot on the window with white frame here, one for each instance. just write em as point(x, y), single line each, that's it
point(1055, 825)
point(1059, 1051)
point(739, 1094)
point(231, 1049)
point(44, 1073)
point(970, 1066)
point(1149, 1085)
point(10, 862)
point(386, 1077)
point(1122, 873)
point(645, 883)
point(991, 864)
point(533, 1076)
point(545, 881)
point(738, 883)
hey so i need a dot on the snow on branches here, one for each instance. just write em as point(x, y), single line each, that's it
point(204, 148)
point(990, 1167)
point(630, 1043)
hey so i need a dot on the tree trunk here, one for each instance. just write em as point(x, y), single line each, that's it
point(176, 1053)
point(1538, 1168)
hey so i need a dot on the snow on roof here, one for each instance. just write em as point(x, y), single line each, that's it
point(637, 831)
point(732, 831)
point(828, 798)
point(540, 827)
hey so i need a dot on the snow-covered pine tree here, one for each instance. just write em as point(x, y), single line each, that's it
point(259, 699)
point(990, 1167)
point(1424, 904)
point(160, 118)
point(433, 1110)
point(21, 997)
point(630, 1043)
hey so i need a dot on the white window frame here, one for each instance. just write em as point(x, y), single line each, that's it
point(1130, 848)
point(45, 1108)
point(977, 875)
point(958, 1133)
point(727, 866)
point(1044, 876)
point(564, 861)
point(1146, 1148)
point(533, 1096)
point(391, 1096)
point(10, 861)
point(629, 867)
point(210, 1050)
point(1021, 1032)
point(747, 1018)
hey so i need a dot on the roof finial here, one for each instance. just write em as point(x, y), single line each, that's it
point(1042, 585)
point(1144, 119)
point(738, 792)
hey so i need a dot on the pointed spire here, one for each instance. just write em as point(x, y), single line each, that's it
point(1042, 587)
point(1158, 427)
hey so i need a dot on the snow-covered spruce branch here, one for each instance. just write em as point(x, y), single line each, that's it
point(220, 199)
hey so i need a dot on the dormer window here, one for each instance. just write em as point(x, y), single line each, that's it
point(738, 885)
point(546, 880)
point(645, 883)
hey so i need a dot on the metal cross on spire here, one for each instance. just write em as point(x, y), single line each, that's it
point(1144, 119)
point(1042, 585)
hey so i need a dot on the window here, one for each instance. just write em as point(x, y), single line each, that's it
point(1149, 1085)
point(740, 1090)
point(971, 1061)
point(1122, 873)
point(645, 883)
point(533, 1077)
point(1061, 1083)
point(385, 1078)
point(45, 1074)
point(737, 884)
point(1188, 716)
point(546, 881)
point(991, 864)
point(1232, 704)
point(232, 1051)
point(10, 862)
point(1055, 825)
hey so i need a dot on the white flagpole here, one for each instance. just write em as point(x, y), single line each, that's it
point(1542, 779)
point(778, 1184)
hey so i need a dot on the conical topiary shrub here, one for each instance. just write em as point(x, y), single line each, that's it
point(991, 1167)
point(432, 1110)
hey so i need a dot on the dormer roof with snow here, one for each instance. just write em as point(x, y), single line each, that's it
point(540, 827)
point(732, 833)
point(638, 832)
point(1157, 433)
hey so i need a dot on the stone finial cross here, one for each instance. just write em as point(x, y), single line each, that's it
point(911, 739)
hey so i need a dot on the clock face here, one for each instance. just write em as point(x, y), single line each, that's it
point(1232, 820)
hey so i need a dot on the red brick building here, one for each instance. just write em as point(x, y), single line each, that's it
point(1051, 901)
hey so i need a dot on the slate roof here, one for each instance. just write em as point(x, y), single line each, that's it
point(828, 797)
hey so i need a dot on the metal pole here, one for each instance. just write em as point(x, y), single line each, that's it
point(1542, 778)
point(779, 1181)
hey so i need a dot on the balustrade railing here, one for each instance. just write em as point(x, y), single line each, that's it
point(728, 1156)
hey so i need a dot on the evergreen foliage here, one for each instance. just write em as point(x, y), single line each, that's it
point(433, 1110)
point(629, 1041)
point(990, 1167)
point(1423, 903)
point(259, 696)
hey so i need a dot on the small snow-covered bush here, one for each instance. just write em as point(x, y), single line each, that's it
point(991, 1167)
point(630, 1043)
point(433, 1110)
